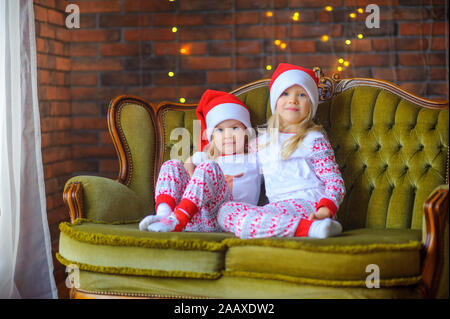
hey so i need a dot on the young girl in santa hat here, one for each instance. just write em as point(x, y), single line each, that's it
point(188, 196)
point(303, 182)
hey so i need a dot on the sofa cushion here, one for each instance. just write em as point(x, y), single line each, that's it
point(102, 285)
point(123, 249)
point(336, 261)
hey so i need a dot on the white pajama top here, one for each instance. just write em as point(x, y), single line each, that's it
point(310, 173)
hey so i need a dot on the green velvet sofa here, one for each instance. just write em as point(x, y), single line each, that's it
point(392, 149)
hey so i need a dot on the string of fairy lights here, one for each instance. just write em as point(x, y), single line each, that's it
point(341, 64)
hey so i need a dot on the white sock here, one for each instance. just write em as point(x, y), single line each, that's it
point(324, 228)
point(166, 224)
point(163, 210)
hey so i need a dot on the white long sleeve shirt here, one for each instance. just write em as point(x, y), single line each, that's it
point(310, 172)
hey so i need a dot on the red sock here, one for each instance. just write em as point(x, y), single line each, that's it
point(303, 228)
point(184, 212)
point(167, 199)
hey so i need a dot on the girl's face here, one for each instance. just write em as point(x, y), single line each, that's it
point(293, 105)
point(229, 137)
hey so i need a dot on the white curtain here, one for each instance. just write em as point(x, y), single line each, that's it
point(26, 267)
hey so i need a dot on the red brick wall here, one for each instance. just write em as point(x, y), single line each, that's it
point(127, 47)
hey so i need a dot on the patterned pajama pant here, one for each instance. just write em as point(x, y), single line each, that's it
point(207, 190)
point(279, 219)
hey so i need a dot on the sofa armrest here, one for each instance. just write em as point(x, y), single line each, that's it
point(102, 199)
point(435, 238)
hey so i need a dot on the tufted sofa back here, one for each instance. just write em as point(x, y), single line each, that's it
point(392, 153)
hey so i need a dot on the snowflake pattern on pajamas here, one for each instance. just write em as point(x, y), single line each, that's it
point(207, 189)
point(326, 168)
point(281, 218)
point(278, 219)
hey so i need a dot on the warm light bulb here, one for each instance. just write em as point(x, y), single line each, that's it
point(339, 68)
point(268, 67)
point(360, 36)
point(174, 29)
point(325, 38)
point(277, 42)
point(283, 46)
point(341, 60)
point(171, 74)
point(352, 15)
point(183, 51)
point(329, 8)
point(269, 14)
point(360, 10)
point(346, 63)
point(348, 42)
point(182, 100)
point(296, 16)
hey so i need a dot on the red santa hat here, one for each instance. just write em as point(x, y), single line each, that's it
point(215, 107)
point(286, 75)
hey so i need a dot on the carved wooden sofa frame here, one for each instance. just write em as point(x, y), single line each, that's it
point(435, 207)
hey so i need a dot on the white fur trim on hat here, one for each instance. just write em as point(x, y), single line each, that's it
point(223, 112)
point(287, 79)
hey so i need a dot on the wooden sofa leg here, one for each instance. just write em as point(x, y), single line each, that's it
point(436, 213)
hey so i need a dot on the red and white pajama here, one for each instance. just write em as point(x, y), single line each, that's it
point(201, 196)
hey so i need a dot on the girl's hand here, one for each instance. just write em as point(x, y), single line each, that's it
point(189, 166)
point(229, 180)
point(322, 213)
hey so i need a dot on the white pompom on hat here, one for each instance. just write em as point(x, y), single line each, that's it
point(215, 107)
point(287, 75)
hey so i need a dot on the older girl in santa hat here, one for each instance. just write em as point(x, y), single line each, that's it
point(303, 182)
point(188, 196)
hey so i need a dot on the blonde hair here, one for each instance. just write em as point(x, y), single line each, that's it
point(212, 152)
point(293, 142)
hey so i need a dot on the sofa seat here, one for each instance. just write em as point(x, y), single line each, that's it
point(103, 285)
point(335, 262)
point(123, 249)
